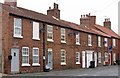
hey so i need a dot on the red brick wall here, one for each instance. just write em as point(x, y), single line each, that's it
point(26, 41)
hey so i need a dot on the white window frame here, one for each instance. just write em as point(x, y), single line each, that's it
point(89, 40)
point(17, 25)
point(77, 57)
point(99, 57)
point(63, 57)
point(106, 42)
point(77, 39)
point(63, 35)
point(99, 41)
point(25, 55)
point(114, 42)
point(50, 32)
point(106, 57)
point(114, 57)
point(35, 55)
point(36, 31)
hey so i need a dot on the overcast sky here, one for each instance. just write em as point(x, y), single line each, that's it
point(71, 10)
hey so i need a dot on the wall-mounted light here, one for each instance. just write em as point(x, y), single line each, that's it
point(42, 30)
point(70, 34)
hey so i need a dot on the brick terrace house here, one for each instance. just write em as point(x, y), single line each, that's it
point(29, 41)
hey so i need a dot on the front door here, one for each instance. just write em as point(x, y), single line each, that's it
point(50, 63)
point(15, 60)
point(109, 58)
point(89, 58)
point(83, 59)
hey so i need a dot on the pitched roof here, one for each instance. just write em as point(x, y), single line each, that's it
point(31, 14)
point(107, 31)
point(51, 20)
point(84, 28)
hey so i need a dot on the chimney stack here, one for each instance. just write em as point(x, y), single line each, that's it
point(54, 12)
point(107, 23)
point(88, 20)
point(11, 2)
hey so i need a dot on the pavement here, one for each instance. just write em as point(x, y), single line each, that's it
point(98, 71)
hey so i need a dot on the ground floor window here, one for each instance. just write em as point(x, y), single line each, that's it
point(35, 57)
point(106, 57)
point(77, 58)
point(114, 57)
point(25, 56)
point(99, 57)
point(63, 57)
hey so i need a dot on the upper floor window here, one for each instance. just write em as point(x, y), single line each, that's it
point(25, 56)
point(17, 28)
point(114, 42)
point(63, 38)
point(49, 33)
point(77, 58)
point(36, 57)
point(89, 40)
point(63, 57)
point(36, 31)
point(99, 41)
point(77, 39)
point(105, 42)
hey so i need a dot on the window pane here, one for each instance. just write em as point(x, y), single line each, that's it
point(77, 57)
point(63, 56)
point(50, 32)
point(35, 55)
point(35, 30)
point(25, 59)
point(62, 34)
point(77, 38)
point(25, 55)
point(35, 59)
point(17, 27)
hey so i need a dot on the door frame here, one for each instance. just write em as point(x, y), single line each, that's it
point(87, 53)
point(83, 52)
point(95, 59)
point(50, 50)
point(18, 63)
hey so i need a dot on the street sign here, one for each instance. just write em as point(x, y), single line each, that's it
point(110, 48)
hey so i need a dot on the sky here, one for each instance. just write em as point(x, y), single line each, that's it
point(71, 10)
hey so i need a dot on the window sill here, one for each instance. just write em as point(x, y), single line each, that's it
point(77, 62)
point(63, 42)
point(35, 64)
point(106, 46)
point(35, 38)
point(50, 40)
point(99, 46)
point(17, 36)
point(25, 64)
point(90, 45)
point(63, 63)
point(77, 43)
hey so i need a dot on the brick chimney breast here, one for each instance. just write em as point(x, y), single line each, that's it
point(54, 12)
point(88, 20)
point(11, 2)
point(107, 23)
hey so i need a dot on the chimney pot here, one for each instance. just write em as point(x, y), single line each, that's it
point(49, 8)
point(84, 15)
point(107, 23)
point(89, 14)
point(81, 16)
